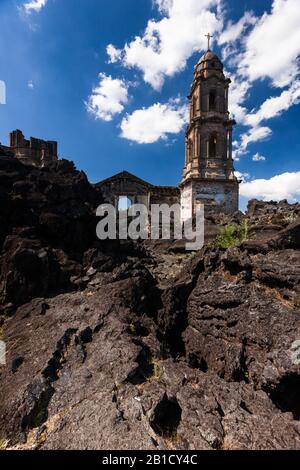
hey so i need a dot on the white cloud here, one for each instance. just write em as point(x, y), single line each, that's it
point(30, 85)
point(2, 92)
point(238, 93)
point(275, 106)
point(284, 186)
point(34, 5)
point(258, 158)
point(234, 30)
point(242, 176)
point(272, 47)
point(113, 53)
point(163, 5)
point(271, 108)
point(256, 134)
point(166, 45)
point(253, 135)
point(108, 98)
point(148, 125)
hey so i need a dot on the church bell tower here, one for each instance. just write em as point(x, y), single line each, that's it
point(208, 172)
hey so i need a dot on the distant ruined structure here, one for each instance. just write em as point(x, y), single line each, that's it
point(34, 151)
point(208, 175)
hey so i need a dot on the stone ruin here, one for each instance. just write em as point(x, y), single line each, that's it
point(36, 152)
point(127, 188)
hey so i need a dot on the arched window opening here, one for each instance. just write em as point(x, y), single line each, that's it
point(212, 100)
point(213, 146)
point(124, 203)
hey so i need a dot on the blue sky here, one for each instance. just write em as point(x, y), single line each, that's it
point(124, 106)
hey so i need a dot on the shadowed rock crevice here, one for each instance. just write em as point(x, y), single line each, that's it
point(145, 368)
point(166, 417)
point(196, 362)
point(286, 394)
point(241, 373)
point(39, 394)
point(56, 362)
point(39, 413)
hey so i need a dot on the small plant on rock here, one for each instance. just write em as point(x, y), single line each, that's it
point(232, 235)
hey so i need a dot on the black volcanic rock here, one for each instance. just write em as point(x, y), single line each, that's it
point(128, 345)
point(48, 222)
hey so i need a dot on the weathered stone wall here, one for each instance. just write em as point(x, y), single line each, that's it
point(164, 195)
point(217, 196)
point(137, 191)
point(124, 184)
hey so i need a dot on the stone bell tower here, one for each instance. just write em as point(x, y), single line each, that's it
point(208, 172)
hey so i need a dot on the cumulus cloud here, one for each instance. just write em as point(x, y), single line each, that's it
point(34, 5)
point(148, 125)
point(273, 45)
point(234, 30)
point(253, 135)
point(238, 93)
point(166, 44)
point(256, 134)
point(258, 158)
point(108, 98)
point(284, 186)
point(271, 108)
point(242, 176)
point(276, 105)
point(113, 53)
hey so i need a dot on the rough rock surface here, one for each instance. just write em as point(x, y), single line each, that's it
point(134, 346)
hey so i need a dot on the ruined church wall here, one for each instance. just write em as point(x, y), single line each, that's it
point(164, 195)
point(219, 196)
point(112, 191)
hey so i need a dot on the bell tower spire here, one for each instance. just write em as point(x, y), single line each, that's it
point(208, 158)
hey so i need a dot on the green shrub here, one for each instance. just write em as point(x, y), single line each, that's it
point(232, 235)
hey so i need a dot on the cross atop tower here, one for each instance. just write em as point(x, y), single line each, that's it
point(209, 37)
